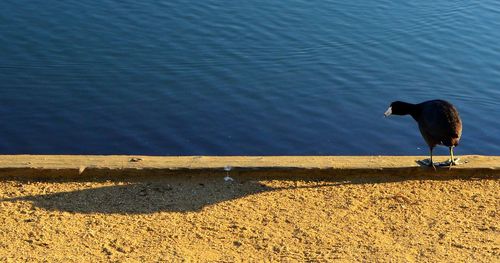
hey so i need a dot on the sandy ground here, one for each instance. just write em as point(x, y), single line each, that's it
point(202, 217)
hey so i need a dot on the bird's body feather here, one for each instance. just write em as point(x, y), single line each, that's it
point(439, 123)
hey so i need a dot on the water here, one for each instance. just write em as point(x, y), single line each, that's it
point(256, 77)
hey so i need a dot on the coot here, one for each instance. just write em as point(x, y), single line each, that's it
point(438, 121)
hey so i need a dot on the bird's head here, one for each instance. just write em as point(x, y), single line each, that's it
point(399, 108)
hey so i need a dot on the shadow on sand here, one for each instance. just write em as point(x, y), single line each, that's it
point(130, 193)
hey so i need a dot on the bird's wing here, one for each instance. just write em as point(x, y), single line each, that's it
point(441, 124)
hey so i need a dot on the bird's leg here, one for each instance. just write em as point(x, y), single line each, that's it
point(432, 163)
point(452, 160)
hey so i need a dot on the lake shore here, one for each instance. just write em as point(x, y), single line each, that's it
point(202, 208)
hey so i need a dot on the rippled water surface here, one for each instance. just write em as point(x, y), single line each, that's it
point(220, 77)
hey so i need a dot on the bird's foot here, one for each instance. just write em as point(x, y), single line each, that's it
point(448, 163)
point(424, 162)
point(451, 162)
point(427, 162)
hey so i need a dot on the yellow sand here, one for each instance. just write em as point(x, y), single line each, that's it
point(202, 217)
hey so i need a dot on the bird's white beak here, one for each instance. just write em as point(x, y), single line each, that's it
point(388, 112)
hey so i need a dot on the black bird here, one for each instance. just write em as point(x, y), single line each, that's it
point(438, 121)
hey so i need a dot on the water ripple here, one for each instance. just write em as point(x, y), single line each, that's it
point(242, 78)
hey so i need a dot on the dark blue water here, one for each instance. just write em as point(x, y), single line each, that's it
point(256, 77)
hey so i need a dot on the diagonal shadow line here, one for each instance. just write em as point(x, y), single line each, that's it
point(184, 193)
point(144, 197)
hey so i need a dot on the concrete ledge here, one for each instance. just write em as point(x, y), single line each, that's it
point(85, 166)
